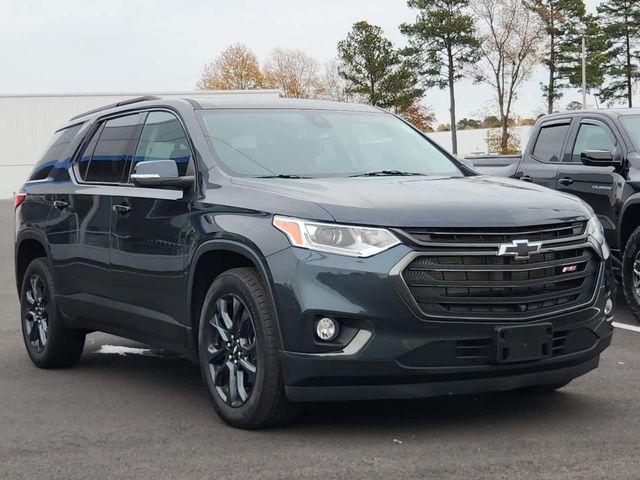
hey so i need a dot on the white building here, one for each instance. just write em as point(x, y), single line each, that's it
point(475, 141)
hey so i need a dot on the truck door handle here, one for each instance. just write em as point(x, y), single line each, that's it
point(565, 181)
point(122, 209)
point(60, 204)
point(526, 178)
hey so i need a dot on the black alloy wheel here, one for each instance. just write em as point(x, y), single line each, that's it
point(36, 313)
point(49, 343)
point(238, 345)
point(231, 350)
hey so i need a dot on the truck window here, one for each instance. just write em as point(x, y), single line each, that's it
point(548, 147)
point(592, 137)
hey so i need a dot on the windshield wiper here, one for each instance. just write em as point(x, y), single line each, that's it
point(388, 173)
point(283, 176)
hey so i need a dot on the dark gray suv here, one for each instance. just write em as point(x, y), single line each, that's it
point(301, 251)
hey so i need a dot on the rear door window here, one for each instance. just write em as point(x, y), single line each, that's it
point(548, 147)
point(108, 155)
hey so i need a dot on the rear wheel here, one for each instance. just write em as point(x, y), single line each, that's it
point(238, 352)
point(49, 344)
point(631, 273)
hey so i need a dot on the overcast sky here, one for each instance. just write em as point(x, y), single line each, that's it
point(71, 46)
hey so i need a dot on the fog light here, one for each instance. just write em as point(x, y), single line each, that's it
point(327, 329)
point(608, 307)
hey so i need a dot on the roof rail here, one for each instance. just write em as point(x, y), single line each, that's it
point(118, 104)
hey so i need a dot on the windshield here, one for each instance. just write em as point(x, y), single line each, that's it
point(632, 126)
point(320, 143)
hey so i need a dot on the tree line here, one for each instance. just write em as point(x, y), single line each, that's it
point(499, 43)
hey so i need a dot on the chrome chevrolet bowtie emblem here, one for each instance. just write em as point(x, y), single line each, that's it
point(520, 249)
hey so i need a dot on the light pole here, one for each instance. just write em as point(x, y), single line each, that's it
point(584, 71)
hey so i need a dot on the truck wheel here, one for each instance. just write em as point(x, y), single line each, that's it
point(238, 349)
point(49, 344)
point(631, 273)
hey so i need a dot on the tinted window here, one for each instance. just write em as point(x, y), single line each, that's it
point(55, 153)
point(163, 138)
point(319, 143)
point(111, 157)
point(632, 126)
point(592, 137)
point(548, 147)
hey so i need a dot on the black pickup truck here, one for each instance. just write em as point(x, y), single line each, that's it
point(596, 156)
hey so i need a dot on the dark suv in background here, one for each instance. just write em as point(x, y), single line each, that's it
point(303, 251)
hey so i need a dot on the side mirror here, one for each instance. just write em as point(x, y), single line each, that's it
point(599, 158)
point(160, 173)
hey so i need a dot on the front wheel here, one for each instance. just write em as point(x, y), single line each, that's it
point(631, 273)
point(238, 352)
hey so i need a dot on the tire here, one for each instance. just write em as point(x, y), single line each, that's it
point(631, 281)
point(545, 388)
point(49, 343)
point(238, 350)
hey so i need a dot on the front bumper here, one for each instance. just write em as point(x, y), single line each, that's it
point(390, 352)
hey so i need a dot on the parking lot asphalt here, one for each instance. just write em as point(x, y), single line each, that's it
point(144, 414)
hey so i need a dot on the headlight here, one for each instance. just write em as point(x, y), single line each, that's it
point(596, 234)
point(333, 238)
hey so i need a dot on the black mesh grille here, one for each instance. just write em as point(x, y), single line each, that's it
point(484, 285)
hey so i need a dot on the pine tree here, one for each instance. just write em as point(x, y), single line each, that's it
point(562, 20)
point(375, 70)
point(443, 41)
point(570, 63)
point(620, 21)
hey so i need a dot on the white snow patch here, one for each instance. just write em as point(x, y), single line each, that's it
point(119, 350)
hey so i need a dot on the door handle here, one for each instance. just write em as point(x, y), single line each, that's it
point(60, 204)
point(526, 178)
point(121, 209)
point(565, 181)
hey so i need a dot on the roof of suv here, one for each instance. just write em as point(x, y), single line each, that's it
point(239, 101)
point(259, 101)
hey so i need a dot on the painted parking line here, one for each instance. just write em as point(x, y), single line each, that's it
point(624, 326)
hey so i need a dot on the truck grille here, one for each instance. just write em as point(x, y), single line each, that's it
point(461, 275)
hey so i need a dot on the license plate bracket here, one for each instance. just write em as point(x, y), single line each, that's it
point(523, 343)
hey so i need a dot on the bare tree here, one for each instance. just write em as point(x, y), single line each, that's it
point(294, 72)
point(236, 68)
point(335, 87)
point(510, 39)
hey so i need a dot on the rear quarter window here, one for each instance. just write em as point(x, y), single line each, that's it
point(57, 152)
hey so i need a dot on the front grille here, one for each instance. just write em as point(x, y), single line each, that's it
point(458, 281)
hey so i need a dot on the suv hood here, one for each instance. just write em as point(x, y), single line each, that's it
point(426, 201)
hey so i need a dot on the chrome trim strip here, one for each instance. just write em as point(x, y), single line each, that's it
point(356, 344)
point(505, 268)
point(491, 252)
